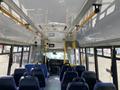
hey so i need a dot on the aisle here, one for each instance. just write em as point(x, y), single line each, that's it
point(53, 83)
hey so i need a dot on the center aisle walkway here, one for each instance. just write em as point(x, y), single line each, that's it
point(53, 83)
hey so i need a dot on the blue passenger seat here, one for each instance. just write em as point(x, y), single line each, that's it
point(78, 79)
point(80, 69)
point(67, 77)
point(29, 83)
point(37, 72)
point(42, 66)
point(29, 67)
point(104, 86)
point(45, 70)
point(63, 69)
point(18, 73)
point(7, 83)
point(90, 78)
point(77, 86)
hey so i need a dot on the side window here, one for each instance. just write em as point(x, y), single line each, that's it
point(4, 59)
point(91, 59)
point(1, 46)
point(6, 49)
point(104, 67)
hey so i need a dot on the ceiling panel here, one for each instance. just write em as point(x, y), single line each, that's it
point(11, 30)
point(52, 10)
point(107, 29)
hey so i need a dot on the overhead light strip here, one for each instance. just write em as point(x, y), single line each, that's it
point(9, 41)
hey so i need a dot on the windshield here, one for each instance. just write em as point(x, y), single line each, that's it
point(56, 55)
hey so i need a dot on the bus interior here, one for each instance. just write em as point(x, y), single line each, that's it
point(59, 44)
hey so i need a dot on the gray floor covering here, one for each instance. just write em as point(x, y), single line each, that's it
point(53, 83)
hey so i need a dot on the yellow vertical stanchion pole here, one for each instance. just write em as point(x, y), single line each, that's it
point(45, 55)
point(46, 47)
point(74, 47)
point(64, 52)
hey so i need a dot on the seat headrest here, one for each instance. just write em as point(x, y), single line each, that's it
point(78, 79)
point(104, 86)
point(19, 70)
point(36, 71)
point(29, 81)
point(80, 67)
point(70, 72)
point(37, 66)
point(7, 81)
point(29, 66)
point(77, 86)
point(88, 74)
point(69, 69)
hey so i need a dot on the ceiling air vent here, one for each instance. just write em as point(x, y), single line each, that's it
point(51, 34)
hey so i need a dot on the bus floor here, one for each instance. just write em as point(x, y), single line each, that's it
point(53, 83)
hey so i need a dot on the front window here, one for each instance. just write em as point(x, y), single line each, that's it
point(56, 55)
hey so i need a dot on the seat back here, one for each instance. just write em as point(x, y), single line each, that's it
point(67, 77)
point(70, 69)
point(42, 66)
point(39, 74)
point(104, 86)
point(7, 83)
point(77, 86)
point(18, 73)
point(63, 69)
point(80, 69)
point(29, 83)
point(78, 79)
point(90, 78)
point(29, 67)
point(44, 69)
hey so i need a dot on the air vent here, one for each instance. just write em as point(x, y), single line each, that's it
point(51, 34)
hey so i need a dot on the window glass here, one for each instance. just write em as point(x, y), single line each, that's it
point(91, 51)
point(15, 49)
point(99, 51)
point(20, 49)
point(6, 49)
point(77, 57)
point(107, 52)
point(118, 52)
point(91, 62)
point(83, 59)
point(25, 58)
point(1, 46)
point(4, 59)
point(25, 48)
point(56, 55)
point(104, 67)
point(118, 71)
point(16, 61)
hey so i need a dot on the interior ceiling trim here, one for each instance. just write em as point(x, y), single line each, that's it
point(9, 41)
point(14, 7)
point(80, 15)
point(111, 42)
